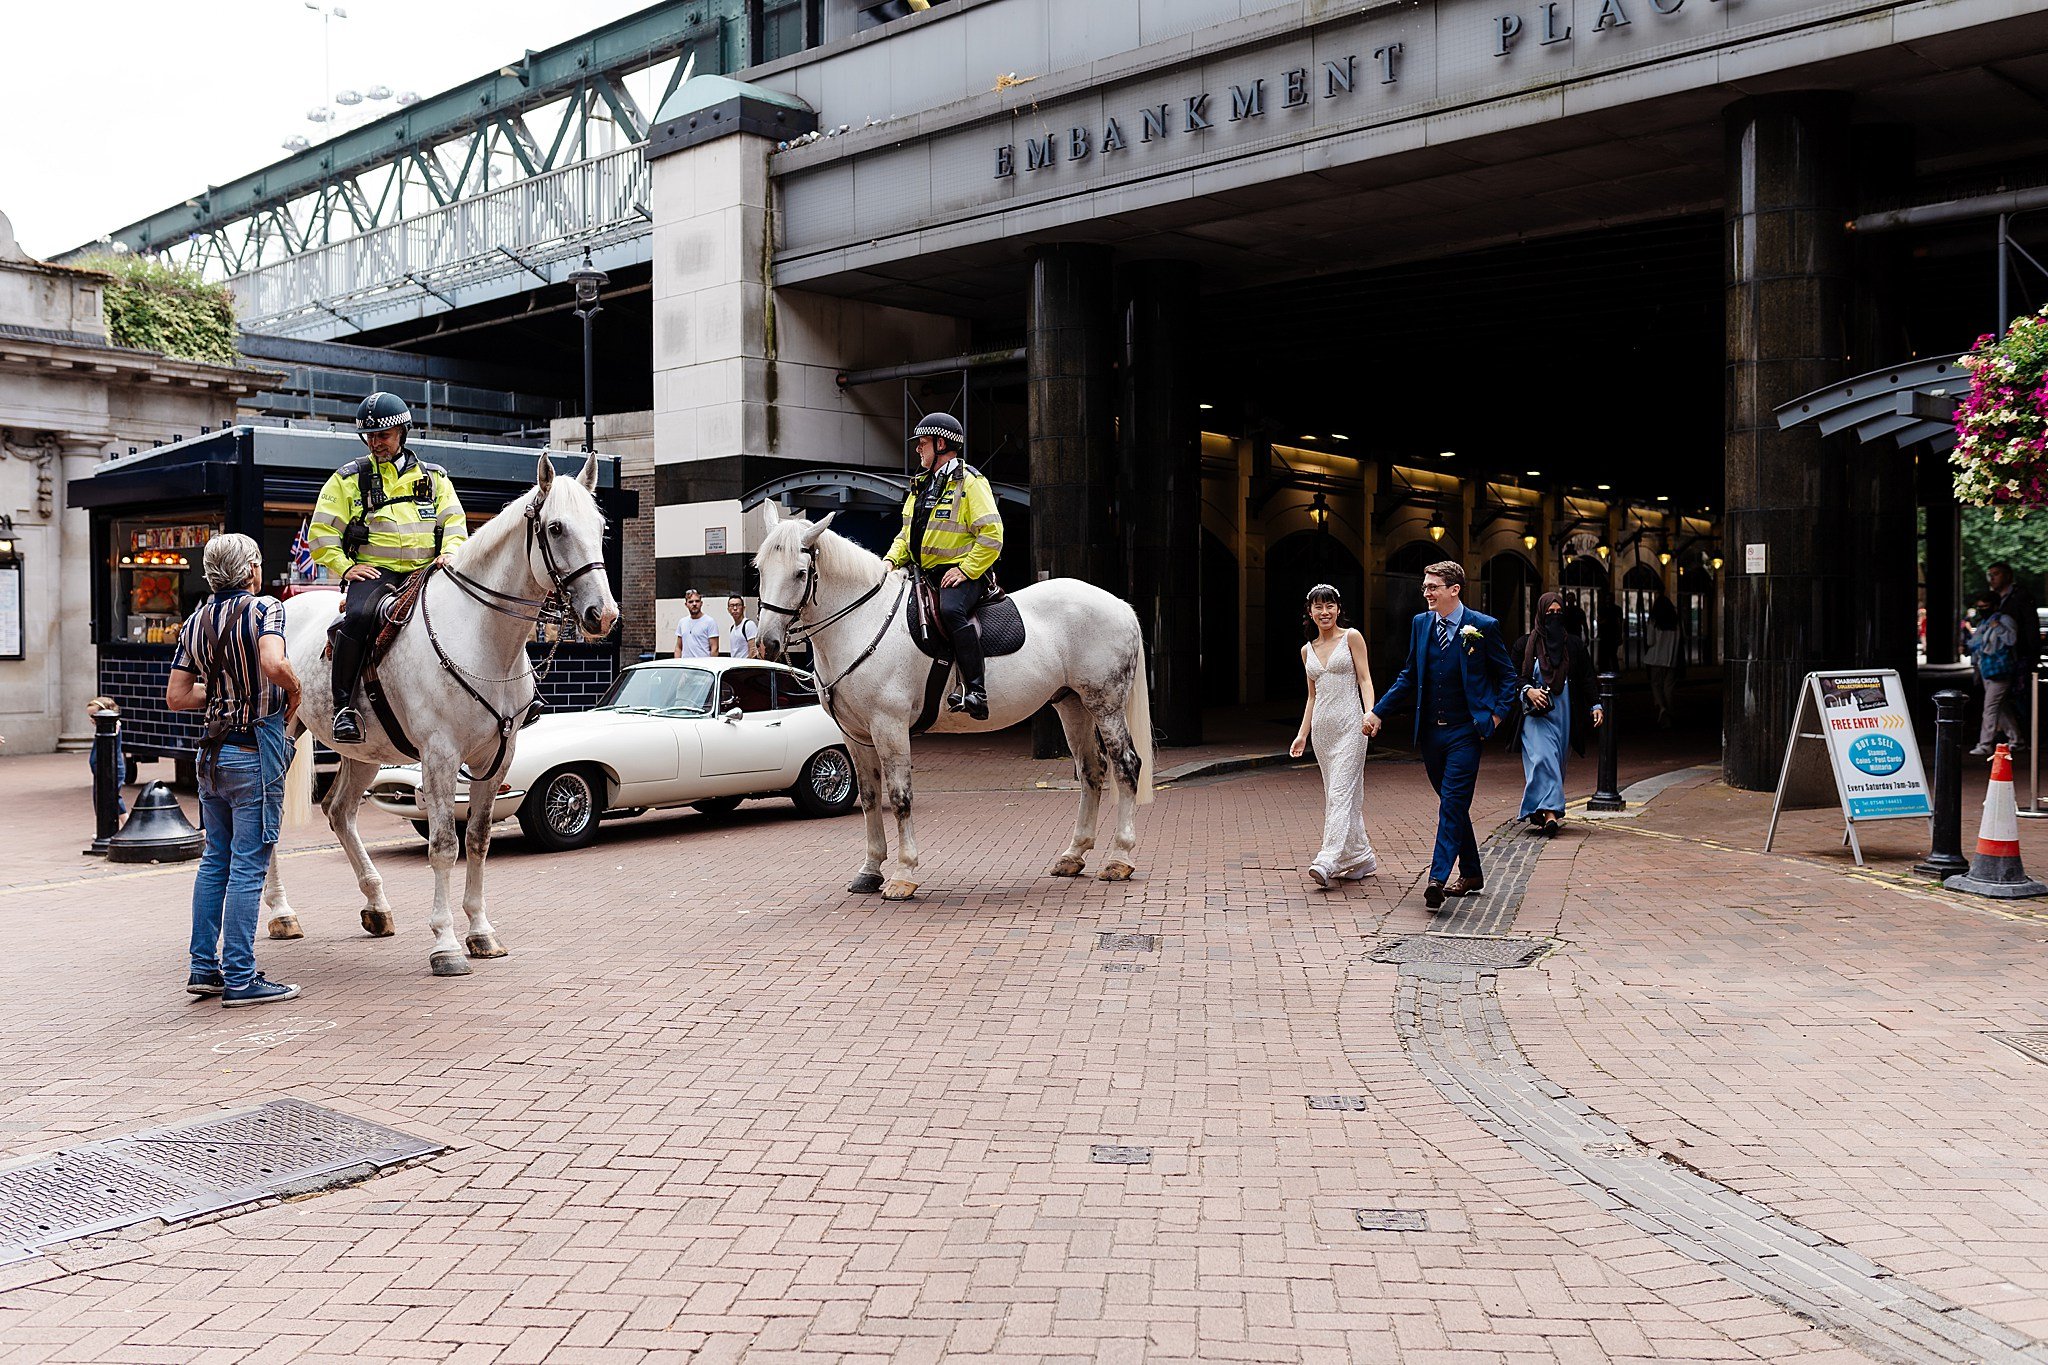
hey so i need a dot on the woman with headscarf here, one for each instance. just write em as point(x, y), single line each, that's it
point(1556, 692)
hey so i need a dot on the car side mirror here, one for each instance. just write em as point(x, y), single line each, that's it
point(732, 715)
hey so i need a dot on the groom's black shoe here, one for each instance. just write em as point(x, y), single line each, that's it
point(1433, 895)
point(1462, 887)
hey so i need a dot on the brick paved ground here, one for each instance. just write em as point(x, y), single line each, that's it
point(712, 1108)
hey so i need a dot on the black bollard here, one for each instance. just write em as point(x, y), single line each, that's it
point(1606, 795)
point(107, 772)
point(1945, 858)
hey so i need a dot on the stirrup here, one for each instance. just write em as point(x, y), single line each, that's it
point(350, 720)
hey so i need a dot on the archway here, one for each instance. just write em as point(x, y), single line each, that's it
point(1696, 614)
point(1584, 585)
point(1640, 588)
point(1508, 593)
point(1294, 564)
point(1222, 623)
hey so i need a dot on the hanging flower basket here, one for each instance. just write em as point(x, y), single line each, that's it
point(2001, 450)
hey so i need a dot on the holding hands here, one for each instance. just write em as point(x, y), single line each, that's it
point(1371, 725)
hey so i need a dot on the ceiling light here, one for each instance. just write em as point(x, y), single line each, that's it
point(1528, 540)
point(1535, 473)
point(1663, 556)
point(1206, 407)
point(1717, 563)
point(1339, 436)
point(1437, 527)
point(1446, 454)
point(1661, 497)
point(1603, 487)
point(1603, 549)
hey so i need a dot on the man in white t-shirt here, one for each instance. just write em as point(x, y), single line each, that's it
point(739, 636)
point(696, 633)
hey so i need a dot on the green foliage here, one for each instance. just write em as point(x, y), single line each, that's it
point(154, 306)
point(2022, 543)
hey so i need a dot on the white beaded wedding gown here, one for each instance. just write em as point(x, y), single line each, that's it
point(1340, 752)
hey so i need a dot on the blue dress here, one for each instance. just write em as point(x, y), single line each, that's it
point(1545, 736)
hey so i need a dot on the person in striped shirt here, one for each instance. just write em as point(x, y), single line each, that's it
point(231, 664)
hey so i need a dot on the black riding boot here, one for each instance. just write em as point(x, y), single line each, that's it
point(348, 669)
point(973, 695)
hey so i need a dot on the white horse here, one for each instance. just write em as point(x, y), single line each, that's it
point(1083, 653)
point(459, 683)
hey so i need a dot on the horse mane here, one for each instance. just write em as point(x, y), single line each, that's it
point(838, 557)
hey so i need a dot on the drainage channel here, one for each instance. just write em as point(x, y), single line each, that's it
point(192, 1169)
point(1448, 1015)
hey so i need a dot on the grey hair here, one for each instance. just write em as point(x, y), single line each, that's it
point(227, 561)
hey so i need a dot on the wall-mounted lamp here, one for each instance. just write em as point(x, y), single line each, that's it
point(1663, 556)
point(1319, 511)
point(1528, 540)
point(1603, 549)
point(1437, 527)
point(6, 537)
point(1716, 562)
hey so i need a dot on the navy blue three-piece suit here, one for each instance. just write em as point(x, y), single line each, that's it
point(1461, 690)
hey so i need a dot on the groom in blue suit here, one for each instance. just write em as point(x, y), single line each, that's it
point(1461, 683)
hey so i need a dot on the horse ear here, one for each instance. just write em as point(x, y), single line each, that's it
point(587, 476)
point(816, 529)
point(774, 510)
point(546, 477)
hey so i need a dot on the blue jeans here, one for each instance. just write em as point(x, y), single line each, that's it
point(242, 806)
point(1450, 755)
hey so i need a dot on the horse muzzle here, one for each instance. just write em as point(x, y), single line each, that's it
point(598, 620)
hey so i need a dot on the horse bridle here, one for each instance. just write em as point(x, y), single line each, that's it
point(554, 601)
point(809, 632)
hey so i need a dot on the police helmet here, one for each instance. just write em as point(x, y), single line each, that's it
point(944, 426)
point(380, 412)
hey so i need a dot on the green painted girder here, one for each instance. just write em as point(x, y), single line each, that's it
point(714, 30)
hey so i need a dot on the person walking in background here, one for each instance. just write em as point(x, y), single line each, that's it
point(1461, 682)
point(1994, 651)
point(696, 633)
point(1660, 656)
point(231, 663)
point(739, 636)
point(1339, 693)
point(1556, 692)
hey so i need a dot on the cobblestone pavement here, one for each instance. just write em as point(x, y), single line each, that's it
point(713, 1108)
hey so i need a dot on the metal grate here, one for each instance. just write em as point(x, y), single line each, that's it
point(1392, 1220)
point(188, 1169)
point(1120, 1156)
point(1351, 1104)
point(1456, 950)
point(2033, 1045)
point(1117, 943)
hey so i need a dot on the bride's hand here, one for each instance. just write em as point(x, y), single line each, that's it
point(1294, 750)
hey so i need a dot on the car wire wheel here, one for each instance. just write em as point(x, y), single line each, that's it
point(568, 804)
point(831, 779)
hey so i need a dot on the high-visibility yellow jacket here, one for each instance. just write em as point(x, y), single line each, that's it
point(964, 527)
point(400, 505)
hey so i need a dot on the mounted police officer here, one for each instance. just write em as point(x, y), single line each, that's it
point(380, 518)
point(952, 534)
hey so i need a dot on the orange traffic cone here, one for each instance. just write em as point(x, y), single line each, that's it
point(1995, 867)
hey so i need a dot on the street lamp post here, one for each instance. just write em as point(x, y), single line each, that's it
point(588, 281)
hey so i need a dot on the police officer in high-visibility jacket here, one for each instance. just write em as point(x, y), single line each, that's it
point(379, 519)
point(950, 519)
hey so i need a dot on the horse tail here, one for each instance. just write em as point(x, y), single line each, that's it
point(1138, 719)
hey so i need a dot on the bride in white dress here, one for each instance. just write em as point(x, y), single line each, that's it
point(1339, 695)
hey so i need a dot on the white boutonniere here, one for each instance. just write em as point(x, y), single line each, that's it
point(1471, 635)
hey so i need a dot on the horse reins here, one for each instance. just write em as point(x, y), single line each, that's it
point(810, 631)
point(553, 602)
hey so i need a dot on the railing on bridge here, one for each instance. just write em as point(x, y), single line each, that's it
point(520, 229)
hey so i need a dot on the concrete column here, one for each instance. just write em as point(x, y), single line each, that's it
point(1787, 274)
point(1161, 500)
point(78, 667)
point(1944, 562)
point(1069, 400)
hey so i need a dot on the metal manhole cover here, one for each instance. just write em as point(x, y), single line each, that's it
point(1104, 1155)
point(1392, 1220)
point(187, 1169)
point(1461, 950)
point(2033, 1045)
point(1350, 1104)
point(1118, 943)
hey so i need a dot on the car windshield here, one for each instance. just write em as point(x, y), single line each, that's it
point(660, 689)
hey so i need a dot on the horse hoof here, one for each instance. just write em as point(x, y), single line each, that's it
point(483, 945)
point(1067, 867)
point(1117, 871)
point(898, 890)
point(448, 964)
point(866, 884)
point(286, 926)
point(379, 923)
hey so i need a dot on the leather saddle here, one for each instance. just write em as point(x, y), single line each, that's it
point(397, 613)
point(1002, 625)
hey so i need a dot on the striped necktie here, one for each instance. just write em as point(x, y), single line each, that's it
point(1443, 632)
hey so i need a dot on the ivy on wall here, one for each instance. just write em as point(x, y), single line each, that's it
point(154, 306)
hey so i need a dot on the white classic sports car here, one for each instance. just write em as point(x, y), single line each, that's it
point(707, 733)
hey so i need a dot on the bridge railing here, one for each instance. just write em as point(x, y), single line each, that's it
point(538, 221)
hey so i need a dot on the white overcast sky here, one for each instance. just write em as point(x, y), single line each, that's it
point(113, 109)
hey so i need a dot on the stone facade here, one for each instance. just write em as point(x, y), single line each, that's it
point(630, 436)
point(68, 400)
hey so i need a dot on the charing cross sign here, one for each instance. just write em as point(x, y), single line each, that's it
point(1298, 87)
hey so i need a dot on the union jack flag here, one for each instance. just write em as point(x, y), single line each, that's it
point(303, 567)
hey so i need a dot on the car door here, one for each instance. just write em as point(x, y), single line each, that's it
point(754, 741)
